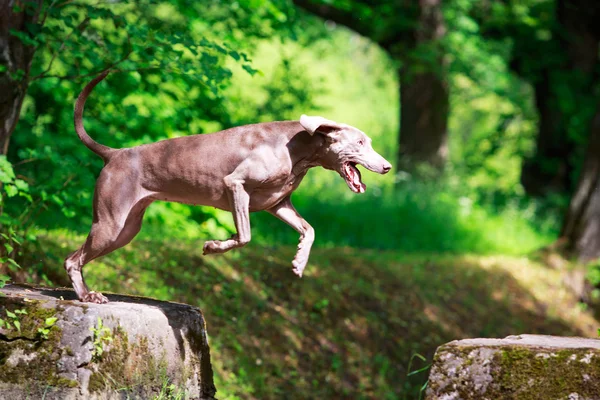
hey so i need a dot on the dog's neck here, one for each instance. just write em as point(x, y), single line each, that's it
point(307, 152)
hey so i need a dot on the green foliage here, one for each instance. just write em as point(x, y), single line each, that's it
point(12, 232)
point(45, 330)
point(179, 61)
point(410, 372)
point(3, 280)
point(169, 391)
point(101, 335)
point(11, 321)
point(415, 217)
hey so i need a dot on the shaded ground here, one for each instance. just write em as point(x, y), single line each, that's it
point(348, 329)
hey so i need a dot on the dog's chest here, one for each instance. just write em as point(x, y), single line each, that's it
point(273, 191)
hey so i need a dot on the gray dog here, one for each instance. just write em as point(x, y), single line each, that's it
point(243, 169)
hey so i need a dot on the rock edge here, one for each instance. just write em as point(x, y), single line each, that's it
point(132, 347)
point(520, 367)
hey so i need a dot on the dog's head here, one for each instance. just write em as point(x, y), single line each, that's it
point(347, 147)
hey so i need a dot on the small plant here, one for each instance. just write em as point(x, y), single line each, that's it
point(100, 335)
point(12, 235)
point(410, 373)
point(45, 330)
point(3, 280)
point(12, 320)
point(169, 391)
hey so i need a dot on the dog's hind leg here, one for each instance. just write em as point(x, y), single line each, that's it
point(117, 220)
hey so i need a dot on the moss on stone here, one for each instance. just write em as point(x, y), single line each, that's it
point(96, 383)
point(127, 365)
point(543, 374)
point(516, 372)
point(66, 382)
point(25, 355)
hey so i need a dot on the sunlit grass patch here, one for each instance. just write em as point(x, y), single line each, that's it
point(412, 218)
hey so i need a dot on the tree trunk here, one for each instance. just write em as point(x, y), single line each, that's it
point(424, 94)
point(577, 36)
point(581, 228)
point(423, 122)
point(550, 169)
point(15, 62)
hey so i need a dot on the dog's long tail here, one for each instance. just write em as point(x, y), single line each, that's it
point(100, 149)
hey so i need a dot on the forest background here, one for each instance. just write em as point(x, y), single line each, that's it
point(489, 226)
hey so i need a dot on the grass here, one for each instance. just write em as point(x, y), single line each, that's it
point(349, 328)
point(413, 218)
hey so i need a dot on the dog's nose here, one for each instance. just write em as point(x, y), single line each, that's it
point(386, 168)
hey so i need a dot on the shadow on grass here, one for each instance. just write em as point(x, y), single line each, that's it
point(347, 330)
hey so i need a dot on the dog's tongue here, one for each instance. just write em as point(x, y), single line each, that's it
point(355, 174)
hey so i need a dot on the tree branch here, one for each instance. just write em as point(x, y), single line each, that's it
point(342, 17)
point(69, 77)
point(353, 21)
point(62, 46)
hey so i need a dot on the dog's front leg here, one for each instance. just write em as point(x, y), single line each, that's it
point(286, 212)
point(240, 202)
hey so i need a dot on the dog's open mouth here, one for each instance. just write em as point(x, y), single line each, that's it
point(352, 176)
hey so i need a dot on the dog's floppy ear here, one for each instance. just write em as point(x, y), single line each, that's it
point(319, 124)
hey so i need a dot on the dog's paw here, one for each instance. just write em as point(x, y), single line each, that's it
point(212, 247)
point(298, 268)
point(94, 297)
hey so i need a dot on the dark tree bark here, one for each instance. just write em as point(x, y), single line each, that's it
point(423, 121)
point(15, 58)
point(550, 168)
point(577, 40)
point(581, 228)
point(424, 96)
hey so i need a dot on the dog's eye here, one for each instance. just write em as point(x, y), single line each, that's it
point(361, 142)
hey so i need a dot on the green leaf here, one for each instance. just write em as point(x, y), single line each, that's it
point(8, 248)
point(249, 69)
point(11, 314)
point(13, 263)
point(22, 185)
point(11, 190)
point(18, 325)
point(23, 37)
point(51, 321)
point(57, 200)
point(22, 312)
point(419, 370)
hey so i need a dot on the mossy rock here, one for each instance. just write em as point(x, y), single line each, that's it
point(55, 347)
point(525, 367)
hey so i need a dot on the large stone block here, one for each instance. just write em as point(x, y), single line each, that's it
point(524, 367)
point(55, 347)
